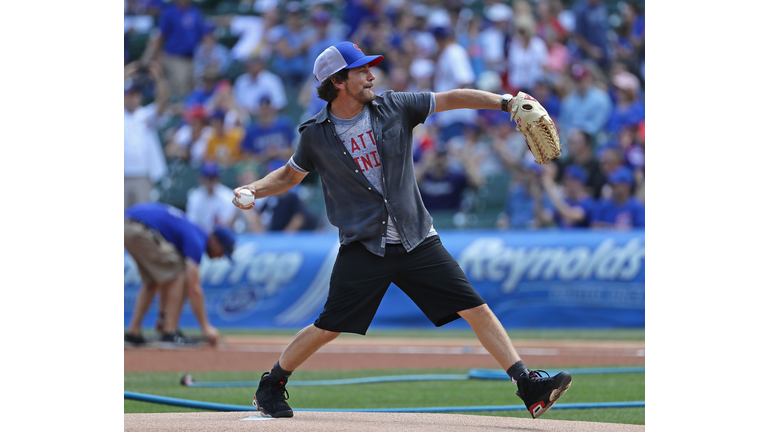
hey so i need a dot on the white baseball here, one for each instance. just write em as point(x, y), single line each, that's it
point(246, 197)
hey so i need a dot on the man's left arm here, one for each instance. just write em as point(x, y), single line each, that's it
point(466, 98)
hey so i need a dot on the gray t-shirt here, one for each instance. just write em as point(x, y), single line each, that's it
point(357, 135)
point(351, 206)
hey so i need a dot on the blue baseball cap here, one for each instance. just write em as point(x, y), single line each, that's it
point(226, 237)
point(621, 175)
point(131, 86)
point(343, 55)
point(441, 32)
point(531, 165)
point(575, 172)
point(218, 114)
point(209, 169)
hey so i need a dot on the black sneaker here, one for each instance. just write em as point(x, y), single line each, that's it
point(270, 397)
point(176, 339)
point(179, 340)
point(539, 393)
point(137, 340)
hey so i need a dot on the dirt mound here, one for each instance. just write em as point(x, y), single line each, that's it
point(357, 422)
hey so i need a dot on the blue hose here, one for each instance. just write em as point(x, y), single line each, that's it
point(350, 381)
point(473, 374)
point(142, 397)
point(499, 374)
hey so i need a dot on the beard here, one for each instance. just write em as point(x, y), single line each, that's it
point(363, 96)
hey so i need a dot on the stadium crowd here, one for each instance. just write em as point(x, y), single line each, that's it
point(217, 88)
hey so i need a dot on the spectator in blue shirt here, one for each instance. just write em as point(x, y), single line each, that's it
point(542, 91)
point(587, 108)
point(580, 153)
point(167, 249)
point(324, 35)
point(591, 32)
point(573, 207)
point(442, 188)
point(633, 18)
point(181, 28)
point(285, 212)
point(629, 109)
point(621, 210)
point(290, 42)
point(203, 93)
point(210, 53)
point(356, 11)
point(270, 137)
point(525, 204)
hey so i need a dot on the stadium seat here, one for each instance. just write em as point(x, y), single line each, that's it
point(175, 186)
point(136, 42)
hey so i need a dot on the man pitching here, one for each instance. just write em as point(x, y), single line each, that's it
point(361, 146)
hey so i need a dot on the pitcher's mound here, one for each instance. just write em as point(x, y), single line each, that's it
point(356, 422)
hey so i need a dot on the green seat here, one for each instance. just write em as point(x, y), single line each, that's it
point(177, 183)
point(443, 219)
point(228, 177)
point(494, 191)
point(136, 43)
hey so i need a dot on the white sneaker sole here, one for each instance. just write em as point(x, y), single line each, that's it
point(539, 410)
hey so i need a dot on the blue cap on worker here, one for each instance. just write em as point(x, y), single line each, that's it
point(226, 238)
point(343, 55)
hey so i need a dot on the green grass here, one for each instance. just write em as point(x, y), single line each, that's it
point(585, 388)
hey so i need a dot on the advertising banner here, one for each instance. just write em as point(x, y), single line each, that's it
point(536, 279)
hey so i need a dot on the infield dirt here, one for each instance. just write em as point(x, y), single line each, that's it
point(358, 422)
point(261, 352)
point(257, 353)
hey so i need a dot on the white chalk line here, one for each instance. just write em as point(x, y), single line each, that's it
point(443, 350)
point(258, 418)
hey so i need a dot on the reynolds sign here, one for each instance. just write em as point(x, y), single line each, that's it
point(530, 279)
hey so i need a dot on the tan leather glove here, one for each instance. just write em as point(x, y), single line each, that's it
point(540, 132)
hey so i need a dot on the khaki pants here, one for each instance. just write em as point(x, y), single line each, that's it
point(180, 72)
point(157, 259)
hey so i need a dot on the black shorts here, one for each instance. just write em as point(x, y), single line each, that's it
point(428, 274)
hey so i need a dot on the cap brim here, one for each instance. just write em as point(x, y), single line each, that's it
point(367, 60)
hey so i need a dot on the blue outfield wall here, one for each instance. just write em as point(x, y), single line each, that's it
point(537, 279)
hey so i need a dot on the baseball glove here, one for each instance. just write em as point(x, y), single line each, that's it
point(540, 132)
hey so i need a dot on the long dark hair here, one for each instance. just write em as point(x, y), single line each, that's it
point(327, 91)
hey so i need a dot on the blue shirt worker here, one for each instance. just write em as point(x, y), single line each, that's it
point(167, 249)
point(361, 145)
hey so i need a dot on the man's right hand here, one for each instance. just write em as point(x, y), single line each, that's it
point(211, 334)
point(237, 195)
